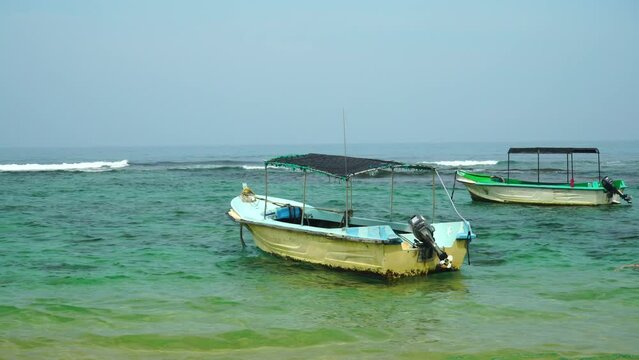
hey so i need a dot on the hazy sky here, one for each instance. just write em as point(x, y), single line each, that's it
point(82, 73)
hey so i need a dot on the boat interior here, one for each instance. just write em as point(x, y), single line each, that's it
point(331, 219)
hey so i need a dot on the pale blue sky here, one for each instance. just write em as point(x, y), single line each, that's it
point(82, 73)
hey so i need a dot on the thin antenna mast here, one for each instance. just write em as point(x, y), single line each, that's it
point(344, 131)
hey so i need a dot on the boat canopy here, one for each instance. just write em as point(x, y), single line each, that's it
point(338, 165)
point(553, 150)
point(568, 151)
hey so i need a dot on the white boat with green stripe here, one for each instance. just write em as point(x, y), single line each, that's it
point(501, 189)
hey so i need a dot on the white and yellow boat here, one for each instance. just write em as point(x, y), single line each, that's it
point(299, 231)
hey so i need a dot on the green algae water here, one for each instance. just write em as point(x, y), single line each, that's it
point(106, 258)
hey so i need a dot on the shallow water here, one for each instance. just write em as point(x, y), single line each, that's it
point(142, 262)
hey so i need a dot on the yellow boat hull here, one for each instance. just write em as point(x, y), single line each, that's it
point(390, 260)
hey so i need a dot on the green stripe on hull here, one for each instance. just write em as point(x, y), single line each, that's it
point(492, 180)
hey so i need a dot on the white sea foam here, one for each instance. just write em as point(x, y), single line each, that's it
point(258, 167)
point(83, 166)
point(252, 167)
point(465, 163)
point(214, 167)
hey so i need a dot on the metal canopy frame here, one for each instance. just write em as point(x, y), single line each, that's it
point(307, 163)
point(569, 151)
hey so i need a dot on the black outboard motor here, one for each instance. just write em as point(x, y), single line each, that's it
point(425, 241)
point(609, 185)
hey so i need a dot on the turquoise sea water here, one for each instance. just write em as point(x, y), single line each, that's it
point(141, 261)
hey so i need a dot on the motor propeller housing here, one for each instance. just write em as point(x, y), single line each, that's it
point(424, 238)
point(609, 185)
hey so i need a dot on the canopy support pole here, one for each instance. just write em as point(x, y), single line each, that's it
point(599, 165)
point(265, 188)
point(350, 193)
point(390, 217)
point(345, 169)
point(433, 199)
point(567, 170)
point(304, 200)
point(537, 166)
point(346, 212)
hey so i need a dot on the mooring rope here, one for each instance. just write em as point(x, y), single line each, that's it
point(470, 237)
point(449, 197)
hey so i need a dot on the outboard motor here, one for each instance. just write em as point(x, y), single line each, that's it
point(609, 185)
point(425, 241)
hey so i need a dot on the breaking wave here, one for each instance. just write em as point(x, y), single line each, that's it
point(464, 163)
point(253, 167)
point(94, 166)
point(197, 165)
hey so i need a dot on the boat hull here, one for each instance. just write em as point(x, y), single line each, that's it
point(506, 194)
point(495, 189)
point(390, 260)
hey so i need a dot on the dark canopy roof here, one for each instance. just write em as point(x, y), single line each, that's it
point(553, 150)
point(337, 165)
